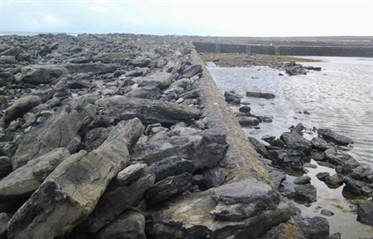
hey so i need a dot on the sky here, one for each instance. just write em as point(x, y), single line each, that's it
point(181, 17)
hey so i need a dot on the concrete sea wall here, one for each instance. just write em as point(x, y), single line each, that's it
point(296, 50)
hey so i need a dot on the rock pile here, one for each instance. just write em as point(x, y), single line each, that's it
point(105, 135)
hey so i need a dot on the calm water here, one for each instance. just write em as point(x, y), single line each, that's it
point(339, 97)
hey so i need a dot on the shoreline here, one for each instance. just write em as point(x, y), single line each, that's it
point(324, 200)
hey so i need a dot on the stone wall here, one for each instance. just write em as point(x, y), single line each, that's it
point(353, 51)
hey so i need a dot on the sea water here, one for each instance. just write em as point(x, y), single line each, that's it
point(339, 97)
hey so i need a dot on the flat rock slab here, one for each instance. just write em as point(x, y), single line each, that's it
point(149, 111)
point(72, 190)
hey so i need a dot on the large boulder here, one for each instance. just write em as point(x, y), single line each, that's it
point(245, 209)
point(315, 227)
point(115, 201)
point(26, 179)
point(59, 130)
point(160, 80)
point(204, 149)
point(72, 190)
point(295, 141)
point(365, 212)
point(20, 107)
point(149, 111)
point(334, 137)
point(41, 74)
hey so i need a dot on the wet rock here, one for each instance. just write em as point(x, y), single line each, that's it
point(336, 138)
point(25, 180)
point(260, 95)
point(336, 158)
point(191, 71)
point(268, 138)
point(365, 212)
point(149, 111)
point(20, 107)
point(116, 200)
point(334, 181)
point(245, 109)
point(353, 186)
point(320, 143)
point(327, 213)
point(363, 173)
point(129, 225)
point(171, 166)
point(95, 137)
point(315, 227)
point(72, 190)
point(322, 176)
point(302, 180)
point(294, 69)
point(247, 121)
point(59, 130)
point(204, 149)
point(290, 159)
point(294, 141)
point(167, 188)
point(232, 97)
point(5, 166)
point(305, 193)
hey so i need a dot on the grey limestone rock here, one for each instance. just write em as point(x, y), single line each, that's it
point(171, 166)
point(149, 111)
point(365, 212)
point(72, 190)
point(26, 179)
point(59, 130)
point(168, 187)
point(315, 227)
point(20, 107)
point(334, 137)
point(306, 193)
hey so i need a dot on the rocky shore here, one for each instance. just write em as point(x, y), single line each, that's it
point(291, 155)
point(108, 136)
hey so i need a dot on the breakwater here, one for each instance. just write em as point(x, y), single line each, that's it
point(295, 50)
point(107, 135)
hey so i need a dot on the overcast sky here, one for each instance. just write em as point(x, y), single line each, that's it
point(180, 17)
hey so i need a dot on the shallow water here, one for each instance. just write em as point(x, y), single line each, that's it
point(339, 97)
